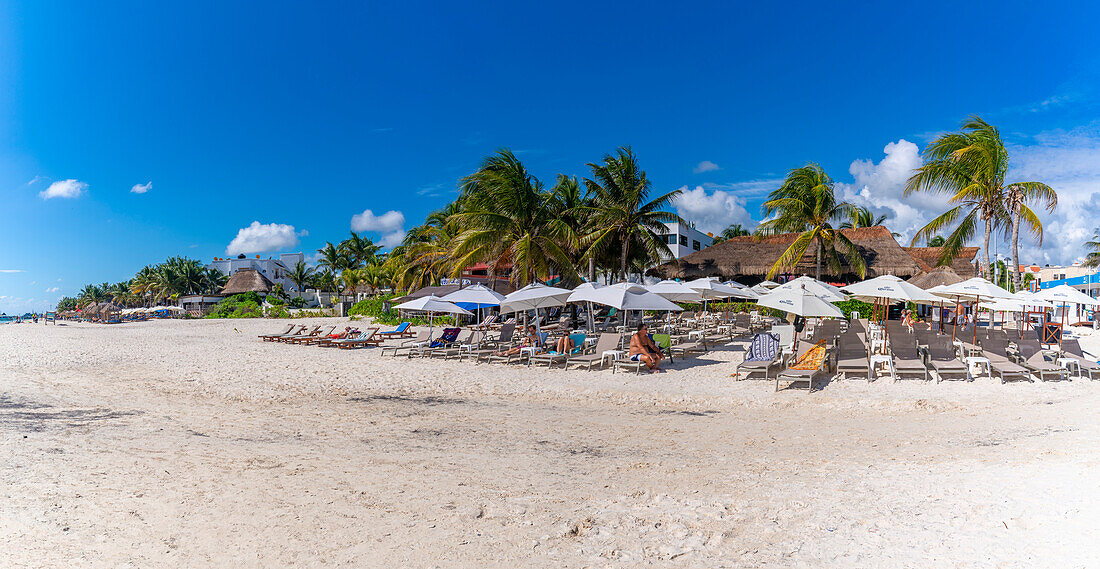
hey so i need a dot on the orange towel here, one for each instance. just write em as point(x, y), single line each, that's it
point(812, 359)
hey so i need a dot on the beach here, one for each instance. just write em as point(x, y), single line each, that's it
point(187, 443)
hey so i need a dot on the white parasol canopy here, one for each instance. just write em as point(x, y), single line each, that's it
point(710, 289)
point(623, 296)
point(816, 287)
point(1027, 298)
point(477, 294)
point(891, 288)
point(801, 302)
point(1065, 294)
point(533, 297)
point(973, 289)
point(433, 304)
point(675, 291)
point(768, 284)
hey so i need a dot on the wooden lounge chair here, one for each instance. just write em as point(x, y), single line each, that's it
point(764, 354)
point(942, 360)
point(275, 337)
point(685, 348)
point(1072, 349)
point(907, 360)
point(289, 329)
point(407, 345)
point(290, 338)
point(810, 361)
point(453, 349)
point(996, 351)
point(308, 339)
point(852, 355)
point(368, 338)
point(326, 341)
point(1032, 358)
point(402, 331)
point(605, 342)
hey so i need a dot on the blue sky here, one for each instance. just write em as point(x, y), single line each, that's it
point(299, 117)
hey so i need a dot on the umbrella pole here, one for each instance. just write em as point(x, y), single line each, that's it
point(975, 326)
point(955, 320)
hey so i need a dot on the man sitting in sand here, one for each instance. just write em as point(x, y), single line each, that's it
point(532, 340)
point(643, 349)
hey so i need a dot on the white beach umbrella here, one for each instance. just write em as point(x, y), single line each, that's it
point(479, 295)
point(533, 297)
point(582, 289)
point(972, 290)
point(1065, 294)
point(1028, 298)
point(675, 291)
point(768, 284)
point(891, 288)
point(433, 305)
point(818, 288)
point(760, 289)
point(801, 302)
point(712, 289)
point(624, 298)
point(174, 308)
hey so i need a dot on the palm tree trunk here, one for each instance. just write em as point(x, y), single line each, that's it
point(592, 269)
point(1015, 271)
point(623, 256)
point(818, 275)
point(985, 249)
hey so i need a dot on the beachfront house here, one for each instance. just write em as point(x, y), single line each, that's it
point(274, 270)
point(683, 239)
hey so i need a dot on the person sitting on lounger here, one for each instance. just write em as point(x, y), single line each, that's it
point(565, 344)
point(531, 340)
point(643, 349)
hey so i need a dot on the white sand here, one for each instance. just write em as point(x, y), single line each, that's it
point(192, 443)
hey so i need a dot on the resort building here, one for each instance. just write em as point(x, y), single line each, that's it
point(683, 239)
point(748, 260)
point(274, 270)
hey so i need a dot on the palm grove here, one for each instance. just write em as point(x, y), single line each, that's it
point(609, 224)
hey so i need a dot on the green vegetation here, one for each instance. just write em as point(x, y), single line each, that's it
point(848, 306)
point(244, 305)
point(373, 308)
point(970, 166)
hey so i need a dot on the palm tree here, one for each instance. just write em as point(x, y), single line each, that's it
point(862, 217)
point(300, 275)
point(936, 241)
point(1092, 259)
point(621, 214)
point(806, 204)
point(571, 203)
point(971, 165)
point(357, 250)
point(332, 258)
point(734, 230)
point(507, 217)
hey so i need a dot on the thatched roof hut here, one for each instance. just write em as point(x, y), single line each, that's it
point(439, 290)
point(749, 260)
point(247, 280)
point(936, 277)
point(928, 258)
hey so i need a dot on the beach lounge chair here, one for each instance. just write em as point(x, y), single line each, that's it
point(275, 337)
point(488, 347)
point(553, 357)
point(445, 340)
point(308, 339)
point(420, 339)
point(810, 362)
point(686, 348)
point(764, 354)
point(606, 341)
point(402, 331)
point(1072, 349)
point(454, 349)
point(942, 360)
point(852, 355)
point(907, 360)
point(368, 338)
point(291, 337)
point(518, 356)
point(486, 324)
point(996, 351)
point(1032, 358)
point(289, 329)
point(327, 340)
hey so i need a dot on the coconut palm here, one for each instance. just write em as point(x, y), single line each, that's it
point(357, 250)
point(1092, 259)
point(862, 217)
point(507, 217)
point(734, 230)
point(970, 165)
point(300, 275)
point(806, 204)
point(572, 205)
point(622, 215)
point(332, 258)
point(936, 241)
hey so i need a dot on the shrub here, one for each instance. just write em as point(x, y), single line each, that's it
point(278, 312)
point(244, 305)
point(372, 307)
point(849, 306)
point(275, 301)
point(297, 302)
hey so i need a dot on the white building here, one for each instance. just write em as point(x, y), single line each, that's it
point(683, 239)
point(276, 270)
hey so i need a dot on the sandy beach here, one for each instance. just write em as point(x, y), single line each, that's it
point(193, 444)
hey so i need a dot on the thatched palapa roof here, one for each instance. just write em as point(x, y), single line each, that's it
point(937, 277)
point(929, 257)
point(247, 280)
point(747, 257)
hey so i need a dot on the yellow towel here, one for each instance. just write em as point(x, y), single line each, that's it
point(812, 359)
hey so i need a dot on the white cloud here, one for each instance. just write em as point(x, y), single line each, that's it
point(390, 225)
point(261, 238)
point(35, 180)
point(712, 211)
point(392, 239)
point(53, 289)
point(64, 189)
point(142, 188)
point(880, 188)
point(706, 166)
point(12, 271)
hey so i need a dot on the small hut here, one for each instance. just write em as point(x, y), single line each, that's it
point(247, 280)
point(749, 260)
point(929, 257)
point(940, 276)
